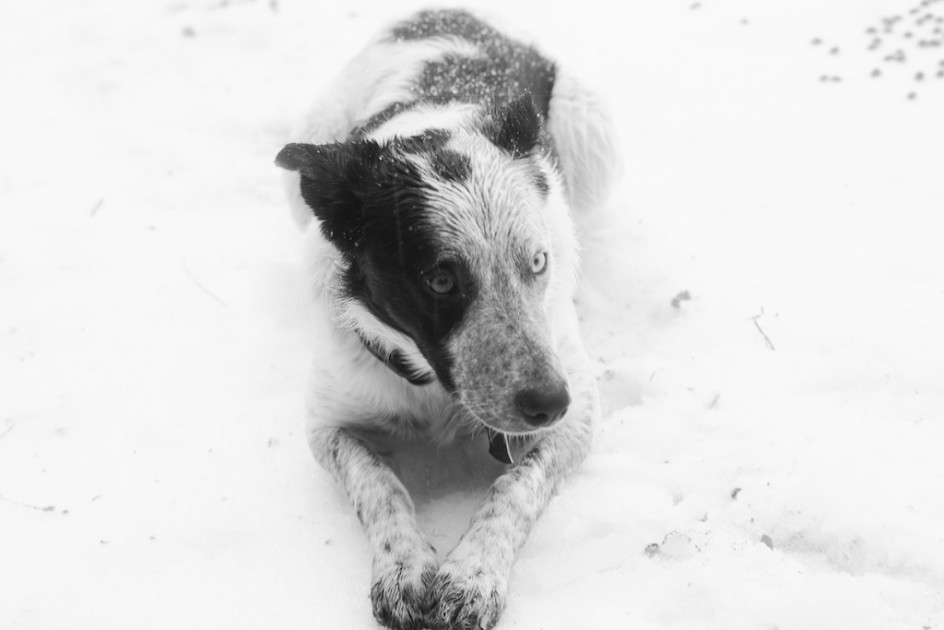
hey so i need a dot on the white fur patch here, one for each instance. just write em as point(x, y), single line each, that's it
point(415, 121)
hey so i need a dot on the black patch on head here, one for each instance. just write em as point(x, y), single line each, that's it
point(447, 164)
point(451, 165)
point(373, 205)
point(429, 141)
point(397, 296)
point(515, 128)
point(364, 194)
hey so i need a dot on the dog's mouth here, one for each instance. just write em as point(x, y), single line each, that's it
point(500, 441)
point(498, 446)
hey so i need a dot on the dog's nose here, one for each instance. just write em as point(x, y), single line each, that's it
point(543, 406)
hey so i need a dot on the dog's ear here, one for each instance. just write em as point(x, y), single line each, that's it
point(516, 127)
point(328, 184)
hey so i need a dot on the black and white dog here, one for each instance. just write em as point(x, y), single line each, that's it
point(441, 169)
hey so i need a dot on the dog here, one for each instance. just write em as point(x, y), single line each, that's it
point(436, 181)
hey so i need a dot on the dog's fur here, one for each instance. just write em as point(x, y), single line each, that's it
point(441, 169)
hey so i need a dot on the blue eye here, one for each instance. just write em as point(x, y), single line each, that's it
point(539, 263)
point(441, 282)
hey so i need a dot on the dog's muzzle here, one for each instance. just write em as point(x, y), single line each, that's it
point(539, 407)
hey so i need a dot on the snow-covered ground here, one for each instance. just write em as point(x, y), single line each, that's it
point(771, 450)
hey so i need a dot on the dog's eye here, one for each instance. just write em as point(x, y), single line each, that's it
point(441, 282)
point(538, 263)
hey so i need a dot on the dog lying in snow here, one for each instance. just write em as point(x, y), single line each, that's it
point(441, 169)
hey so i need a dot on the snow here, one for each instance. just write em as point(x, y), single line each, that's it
point(770, 453)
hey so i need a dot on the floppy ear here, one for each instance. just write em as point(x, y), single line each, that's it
point(328, 183)
point(516, 127)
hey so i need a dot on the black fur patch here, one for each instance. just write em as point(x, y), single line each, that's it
point(429, 141)
point(326, 174)
point(515, 128)
point(398, 297)
point(373, 205)
point(451, 165)
point(504, 71)
point(501, 76)
point(507, 69)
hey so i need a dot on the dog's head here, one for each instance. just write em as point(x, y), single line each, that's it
point(460, 240)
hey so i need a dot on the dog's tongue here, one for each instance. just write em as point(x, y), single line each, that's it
point(498, 446)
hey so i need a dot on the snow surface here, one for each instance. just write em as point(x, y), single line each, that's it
point(771, 450)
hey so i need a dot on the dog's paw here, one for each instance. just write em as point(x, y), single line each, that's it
point(401, 582)
point(466, 595)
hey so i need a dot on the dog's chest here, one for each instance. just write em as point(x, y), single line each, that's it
point(363, 392)
point(428, 412)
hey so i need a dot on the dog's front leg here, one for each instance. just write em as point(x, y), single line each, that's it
point(469, 590)
point(404, 563)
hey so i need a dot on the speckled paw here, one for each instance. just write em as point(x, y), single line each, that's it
point(400, 588)
point(465, 598)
